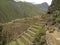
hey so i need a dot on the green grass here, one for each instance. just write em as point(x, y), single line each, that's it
point(28, 37)
point(13, 43)
point(39, 38)
point(37, 27)
point(34, 30)
point(25, 39)
point(20, 42)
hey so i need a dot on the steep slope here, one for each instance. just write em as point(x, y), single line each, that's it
point(54, 28)
point(54, 11)
point(55, 6)
point(7, 11)
point(10, 10)
point(43, 6)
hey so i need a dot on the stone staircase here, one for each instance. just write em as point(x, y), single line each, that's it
point(27, 37)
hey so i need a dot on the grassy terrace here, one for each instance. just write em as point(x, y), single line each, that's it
point(29, 36)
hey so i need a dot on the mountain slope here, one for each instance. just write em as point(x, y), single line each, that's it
point(54, 10)
point(10, 10)
point(55, 6)
point(43, 6)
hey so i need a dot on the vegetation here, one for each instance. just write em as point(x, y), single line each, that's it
point(33, 35)
point(54, 10)
point(40, 37)
point(54, 6)
point(13, 29)
point(11, 10)
point(20, 17)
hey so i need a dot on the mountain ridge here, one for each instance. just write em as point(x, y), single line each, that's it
point(43, 5)
point(11, 10)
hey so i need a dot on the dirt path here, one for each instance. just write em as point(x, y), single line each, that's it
point(52, 38)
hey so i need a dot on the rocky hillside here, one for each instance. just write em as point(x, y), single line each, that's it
point(43, 6)
point(53, 20)
point(54, 13)
point(55, 6)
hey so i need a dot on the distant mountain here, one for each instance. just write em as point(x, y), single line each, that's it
point(11, 10)
point(44, 6)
